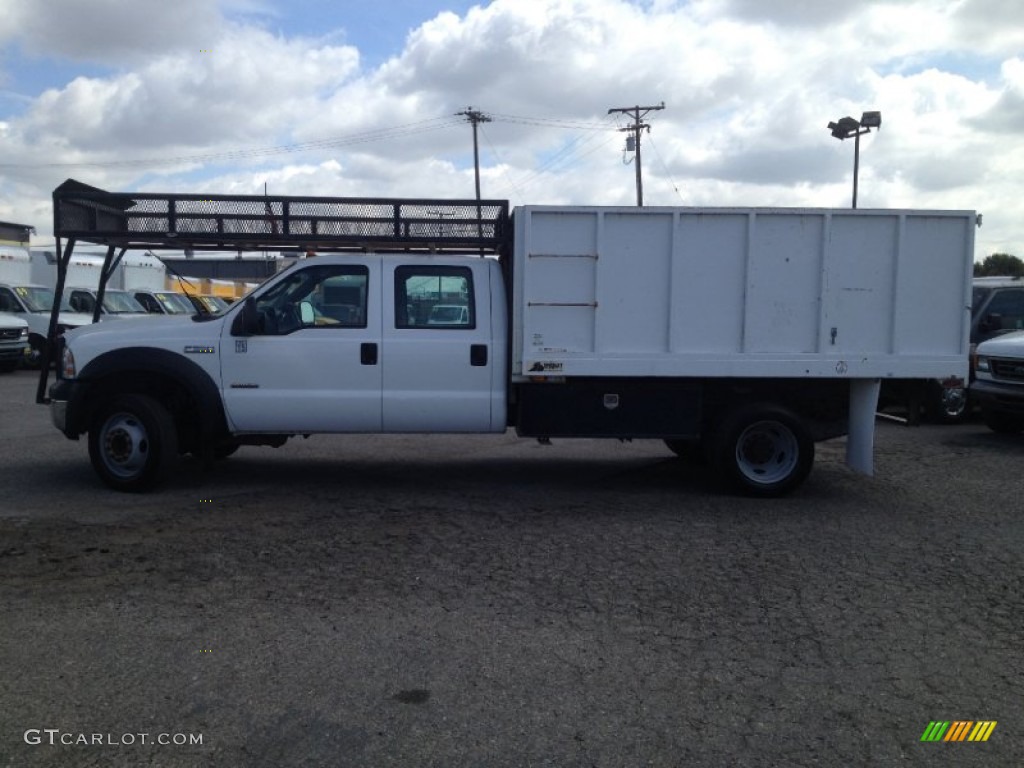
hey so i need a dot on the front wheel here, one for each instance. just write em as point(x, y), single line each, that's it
point(763, 450)
point(132, 443)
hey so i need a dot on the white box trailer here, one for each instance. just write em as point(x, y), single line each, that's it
point(140, 272)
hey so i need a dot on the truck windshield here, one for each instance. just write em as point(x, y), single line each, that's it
point(214, 304)
point(39, 299)
point(174, 303)
point(117, 302)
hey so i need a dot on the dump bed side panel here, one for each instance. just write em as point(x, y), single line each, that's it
point(741, 292)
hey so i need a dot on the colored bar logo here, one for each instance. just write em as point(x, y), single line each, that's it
point(958, 730)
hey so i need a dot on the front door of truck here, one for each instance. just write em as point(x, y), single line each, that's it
point(438, 357)
point(314, 362)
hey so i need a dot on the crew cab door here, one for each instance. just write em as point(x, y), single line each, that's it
point(321, 373)
point(439, 367)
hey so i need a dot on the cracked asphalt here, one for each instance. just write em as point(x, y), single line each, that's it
point(489, 601)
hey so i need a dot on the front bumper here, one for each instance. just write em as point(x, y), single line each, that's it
point(1006, 398)
point(66, 411)
point(10, 352)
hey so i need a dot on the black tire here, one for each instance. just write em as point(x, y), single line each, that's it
point(34, 358)
point(947, 406)
point(1002, 423)
point(762, 450)
point(688, 450)
point(133, 443)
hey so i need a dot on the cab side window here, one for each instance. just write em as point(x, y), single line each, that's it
point(315, 297)
point(82, 302)
point(434, 297)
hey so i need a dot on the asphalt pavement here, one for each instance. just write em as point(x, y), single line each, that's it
point(490, 601)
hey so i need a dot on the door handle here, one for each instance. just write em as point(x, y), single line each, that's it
point(368, 353)
point(478, 355)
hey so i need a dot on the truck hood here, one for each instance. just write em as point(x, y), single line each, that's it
point(7, 321)
point(1007, 345)
point(144, 330)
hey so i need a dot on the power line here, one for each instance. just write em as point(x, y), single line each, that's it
point(668, 173)
point(399, 131)
point(501, 162)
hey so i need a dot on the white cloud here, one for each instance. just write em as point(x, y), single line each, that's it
point(748, 87)
point(117, 32)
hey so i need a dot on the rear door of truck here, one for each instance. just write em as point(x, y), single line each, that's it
point(439, 367)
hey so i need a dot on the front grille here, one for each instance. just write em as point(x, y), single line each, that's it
point(1012, 370)
point(10, 333)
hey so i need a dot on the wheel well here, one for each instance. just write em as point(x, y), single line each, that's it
point(185, 389)
point(173, 395)
point(821, 404)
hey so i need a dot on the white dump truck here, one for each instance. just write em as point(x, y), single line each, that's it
point(739, 336)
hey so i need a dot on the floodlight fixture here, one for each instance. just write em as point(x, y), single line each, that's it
point(847, 127)
point(871, 120)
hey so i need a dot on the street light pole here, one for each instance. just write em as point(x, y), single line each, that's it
point(856, 166)
point(847, 127)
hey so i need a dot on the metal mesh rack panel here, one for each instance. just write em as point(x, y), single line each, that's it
point(277, 223)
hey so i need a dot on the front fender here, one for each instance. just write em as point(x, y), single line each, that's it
point(145, 370)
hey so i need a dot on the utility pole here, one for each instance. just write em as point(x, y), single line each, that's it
point(475, 117)
point(636, 128)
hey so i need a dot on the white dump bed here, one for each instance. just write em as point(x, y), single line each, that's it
point(741, 292)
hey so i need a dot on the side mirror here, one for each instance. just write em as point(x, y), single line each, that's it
point(246, 322)
point(306, 313)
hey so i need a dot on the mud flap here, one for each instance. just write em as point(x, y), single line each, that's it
point(860, 444)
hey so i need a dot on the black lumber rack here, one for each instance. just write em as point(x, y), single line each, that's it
point(153, 221)
point(161, 221)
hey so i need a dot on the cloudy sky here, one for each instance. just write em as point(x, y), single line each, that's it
point(355, 97)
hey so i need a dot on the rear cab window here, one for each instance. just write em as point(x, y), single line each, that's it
point(436, 297)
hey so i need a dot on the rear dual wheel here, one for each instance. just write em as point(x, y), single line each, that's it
point(762, 450)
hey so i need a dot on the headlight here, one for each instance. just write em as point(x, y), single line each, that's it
point(24, 333)
point(981, 364)
point(67, 364)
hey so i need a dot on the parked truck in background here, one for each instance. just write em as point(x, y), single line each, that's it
point(742, 335)
point(999, 382)
point(32, 302)
point(13, 342)
point(997, 307)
